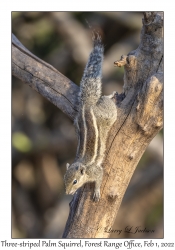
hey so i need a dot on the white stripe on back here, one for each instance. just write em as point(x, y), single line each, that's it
point(85, 133)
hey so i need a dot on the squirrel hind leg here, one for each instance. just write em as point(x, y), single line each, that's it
point(111, 95)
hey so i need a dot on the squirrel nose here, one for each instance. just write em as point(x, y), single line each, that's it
point(67, 191)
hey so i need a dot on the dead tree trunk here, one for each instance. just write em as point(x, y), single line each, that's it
point(140, 118)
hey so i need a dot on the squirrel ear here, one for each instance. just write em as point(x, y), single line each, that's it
point(82, 170)
point(67, 165)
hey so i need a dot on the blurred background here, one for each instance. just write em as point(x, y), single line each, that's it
point(44, 140)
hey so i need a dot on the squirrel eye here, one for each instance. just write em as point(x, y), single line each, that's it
point(75, 181)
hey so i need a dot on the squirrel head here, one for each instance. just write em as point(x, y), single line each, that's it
point(75, 177)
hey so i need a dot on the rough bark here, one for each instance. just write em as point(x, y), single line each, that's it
point(44, 78)
point(140, 118)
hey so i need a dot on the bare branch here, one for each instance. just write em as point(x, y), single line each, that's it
point(44, 78)
point(140, 116)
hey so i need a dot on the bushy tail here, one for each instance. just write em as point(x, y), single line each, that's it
point(90, 85)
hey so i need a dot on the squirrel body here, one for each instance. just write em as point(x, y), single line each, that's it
point(96, 115)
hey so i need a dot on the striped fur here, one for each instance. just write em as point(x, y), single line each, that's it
point(84, 132)
point(94, 122)
point(95, 117)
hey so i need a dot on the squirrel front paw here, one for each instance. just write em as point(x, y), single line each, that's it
point(96, 196)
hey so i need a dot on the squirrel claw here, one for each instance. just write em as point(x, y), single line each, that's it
point(96, 196)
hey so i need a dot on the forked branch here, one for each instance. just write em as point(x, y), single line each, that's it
point(140, 118)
